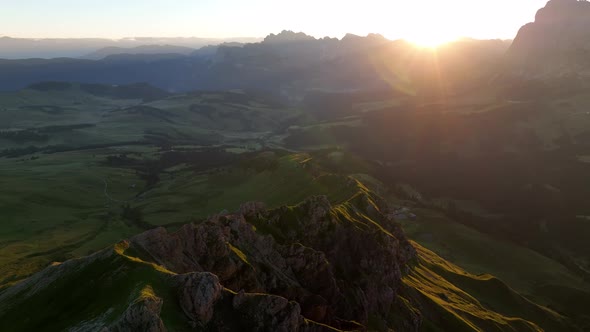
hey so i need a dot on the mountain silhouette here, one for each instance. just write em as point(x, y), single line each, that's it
point(558, 42)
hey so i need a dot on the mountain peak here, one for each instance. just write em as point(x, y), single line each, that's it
point(287, 36)
point(371, 36)
point(558, 10)
point(558, 40)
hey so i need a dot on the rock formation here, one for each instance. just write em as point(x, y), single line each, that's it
point(287, 36)
point(314, 267)
point(142, 315)
point(337, 271)
point(558, 41)
point(197, 293)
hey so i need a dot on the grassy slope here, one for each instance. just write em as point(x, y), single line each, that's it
point(532, 274)
point(112, 281)
point(449, 298)
point(29, 236)
point(199, 195)
point(463, 301)
point(54, 207)
point(223, 117)
point(537, 277)
point(24, 109)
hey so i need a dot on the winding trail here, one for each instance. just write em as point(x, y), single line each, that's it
point(109, 197)
point(141, 224)
point(106, 193)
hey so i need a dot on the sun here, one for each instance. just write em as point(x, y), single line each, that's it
point(430, 39)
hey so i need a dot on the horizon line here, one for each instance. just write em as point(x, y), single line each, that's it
point(130, 38)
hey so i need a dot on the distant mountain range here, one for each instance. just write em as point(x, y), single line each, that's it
point(23, 48)
point(293, 63)
point(558, 42)
point(143, 49)
point(288, 63)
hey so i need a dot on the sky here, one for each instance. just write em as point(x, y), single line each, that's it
point(410, 19)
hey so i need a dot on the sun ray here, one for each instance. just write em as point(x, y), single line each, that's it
point(430, 39)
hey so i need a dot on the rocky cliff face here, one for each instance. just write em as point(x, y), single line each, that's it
point(310, 267)
point(339, 272)
point(142, 315)
point(558, 41)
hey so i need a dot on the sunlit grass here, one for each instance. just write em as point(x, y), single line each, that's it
point(442, 282)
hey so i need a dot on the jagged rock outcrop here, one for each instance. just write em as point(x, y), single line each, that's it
point(558, 42)
point(268, 312)
point(197, 294)
point(200, 293)
point(314, 274)
point(314, 267)
point(287, 36)
point(339, 264)
point(252, 209)
point(311, 267)
point(142, 315)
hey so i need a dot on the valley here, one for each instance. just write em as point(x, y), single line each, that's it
point(126, 164)
point(296, 182)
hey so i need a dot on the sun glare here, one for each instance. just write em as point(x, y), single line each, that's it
point(430, 40)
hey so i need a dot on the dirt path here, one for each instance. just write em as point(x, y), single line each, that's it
point(109, 197)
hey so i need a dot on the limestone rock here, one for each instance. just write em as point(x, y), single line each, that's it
point(337, 265)
point(142, 315)
point(197, 294)
point(269, 312)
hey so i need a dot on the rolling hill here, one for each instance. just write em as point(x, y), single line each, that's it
point(98, 163)
point(143, 49)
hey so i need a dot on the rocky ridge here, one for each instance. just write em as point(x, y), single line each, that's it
point(310, 267)
point(558, 42)
point(337, 280)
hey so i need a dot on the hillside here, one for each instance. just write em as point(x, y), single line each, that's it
point(77, 153)
point(309, 267)
point(558, 42)
point(98, 163)
point(143, 49)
